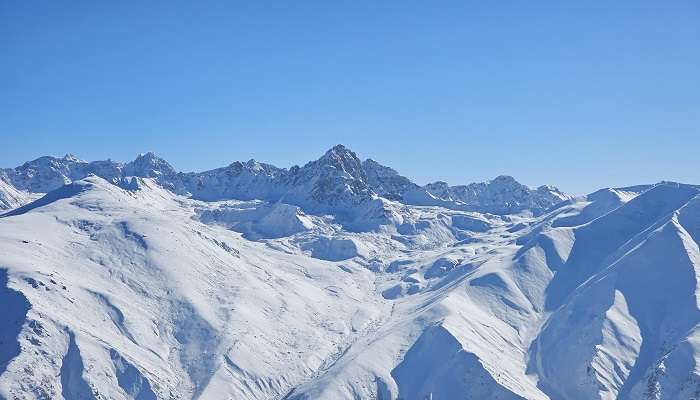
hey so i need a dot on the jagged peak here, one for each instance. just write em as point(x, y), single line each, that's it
point(342, 159)
point(149, 164)
point(337, 170)
point(505, 179)
point(72, 158)
point(340, 154)
point(339, 148)
point(67, 159)
point(254, 167)
point(149, 155)
point(547, 187)
point(511, 181)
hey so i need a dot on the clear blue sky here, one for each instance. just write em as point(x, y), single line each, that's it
point(579, 94)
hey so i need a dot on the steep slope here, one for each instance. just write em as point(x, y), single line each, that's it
point(637, 306)
point(11, 197)
point(386, 182)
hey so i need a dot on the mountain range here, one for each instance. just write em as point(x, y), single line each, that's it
point(341, 279)
point(338, 180)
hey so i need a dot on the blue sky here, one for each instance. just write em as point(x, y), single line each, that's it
point(581, 95)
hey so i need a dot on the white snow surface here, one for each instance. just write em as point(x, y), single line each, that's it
point(325, 282)
point(11, 197)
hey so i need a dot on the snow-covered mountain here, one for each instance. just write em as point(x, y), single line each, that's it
point(341, 279)
point(338, 183)
point(502, 195)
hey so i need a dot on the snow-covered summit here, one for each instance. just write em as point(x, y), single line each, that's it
point(148, 165)
point(342, 160)
point(47, 173)
point(335, 183)
point(501, 195)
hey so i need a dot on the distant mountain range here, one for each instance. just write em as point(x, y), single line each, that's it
point(338, 182)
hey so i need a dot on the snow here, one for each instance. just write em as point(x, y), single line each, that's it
point(10, 196)
point(338, 183)
point(341, 279)
point(257, 219)
point(436, 366)
point(502, 195)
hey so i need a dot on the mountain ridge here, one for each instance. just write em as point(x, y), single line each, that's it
point(337, 177)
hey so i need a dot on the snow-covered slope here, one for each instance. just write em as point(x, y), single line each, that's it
point(255, 282)
point(184, 309)
point(11, 197)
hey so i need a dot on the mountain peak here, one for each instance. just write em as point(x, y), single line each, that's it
point(149, 155)
point(149, 165)
point(342, 159)
point(71, 158)
point(253, 164)
point(501, 195)
point(339, 152)
point(339, 148)
point(337, 177)
point(505, 179)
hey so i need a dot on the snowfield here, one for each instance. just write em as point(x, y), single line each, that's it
point(341, 279)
